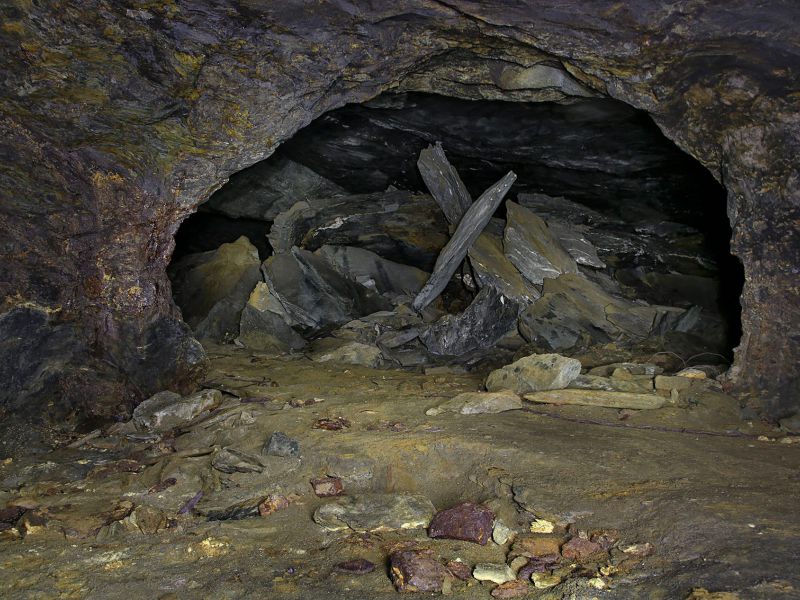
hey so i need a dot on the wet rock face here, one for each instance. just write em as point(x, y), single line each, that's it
point(118, 120)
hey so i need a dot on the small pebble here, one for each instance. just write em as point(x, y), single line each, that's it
point(326, 487)
point(544, 580)
point(358, 566)
point(496, 573)
point(510, 589)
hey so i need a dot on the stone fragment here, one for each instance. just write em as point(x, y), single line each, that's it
point(147, 519)
point(444, 183)
point(539, 564)
point(581, 549)
point(220, 278)
point(532, 247)
point(608, 384)
point(416, 571)
point(272, 503)
point(492, 268)
point(357, 566)
point(348, 353)
point(476, 403)
point(502, 534)
point(313, 295)
point(459, 570)
point(511, 589)
point(496, 573)
point(332, 424)
point(534, 373)
point(576, 244)
point(486, 320)
point(280, 444)
point(542, 526)
point(376, 512)
point(467, 521)
point(268, 188)
point(165, 410)
point(632, 368)
point(545, 580)
point(9, 533)
point(692, 373)
point(537, 546)
point(366, 268)
point(231, 460)
point(468, 230)
point(598, 398)
point(666, 382)
point(325, 487)
point(265, 323)
point(398, 225)
point(639, 550)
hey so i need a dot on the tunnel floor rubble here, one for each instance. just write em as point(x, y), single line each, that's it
point(288, 478)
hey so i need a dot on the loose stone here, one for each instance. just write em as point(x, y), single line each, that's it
point(535, 373)
point(336, 424)
point(376, 512)
point(280, 444)
point(459, 570)
point(273, 503)
point(496, 573)
point(468, 522)
point(416, 571)
point(545, 580)
point(537, 546)
point(510, 589)
point(358, 566)
point(581, 549)
point(325, 487)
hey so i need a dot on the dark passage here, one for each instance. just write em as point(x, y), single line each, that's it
point(594, 170)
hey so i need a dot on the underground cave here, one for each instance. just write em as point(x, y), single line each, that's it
point(490, 300)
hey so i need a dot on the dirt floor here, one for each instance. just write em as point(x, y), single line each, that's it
point(718, 505)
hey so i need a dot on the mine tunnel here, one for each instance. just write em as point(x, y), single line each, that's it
point(355, 299)
point(642, 224)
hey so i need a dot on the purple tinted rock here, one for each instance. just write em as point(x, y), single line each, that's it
point(358, 566)
point(416, 571)
point(467, 521)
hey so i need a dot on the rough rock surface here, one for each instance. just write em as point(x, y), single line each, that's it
point(133, 116)
point(376, 512)
point(534, 373)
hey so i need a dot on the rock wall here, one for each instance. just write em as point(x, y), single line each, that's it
point(117, 118)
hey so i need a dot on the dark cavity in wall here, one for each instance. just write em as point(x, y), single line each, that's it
point(655, 215)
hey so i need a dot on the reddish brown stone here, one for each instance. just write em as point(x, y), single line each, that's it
point(539, 564)
point(336, 424)
point(325, 487)
point(540, 545)
point(273, 503)
point(416, 571)
point(459, 570)
point(358, 566)
point(511, 589)
point(581, 549)
point(466, 521)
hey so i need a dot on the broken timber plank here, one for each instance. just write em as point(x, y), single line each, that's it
point(469, 228)
point(444, 183)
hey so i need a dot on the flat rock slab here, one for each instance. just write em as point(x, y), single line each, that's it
point(348, 353)
point(417, 571)
point(372, 271)
point(166, 410)
point(535, 373)
point(492, 268)
point(533, 248)
point(476, 403)
point(468, 230)
point(598, 398)
point(444, 183)
point(467, 521)
point(376, 512)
